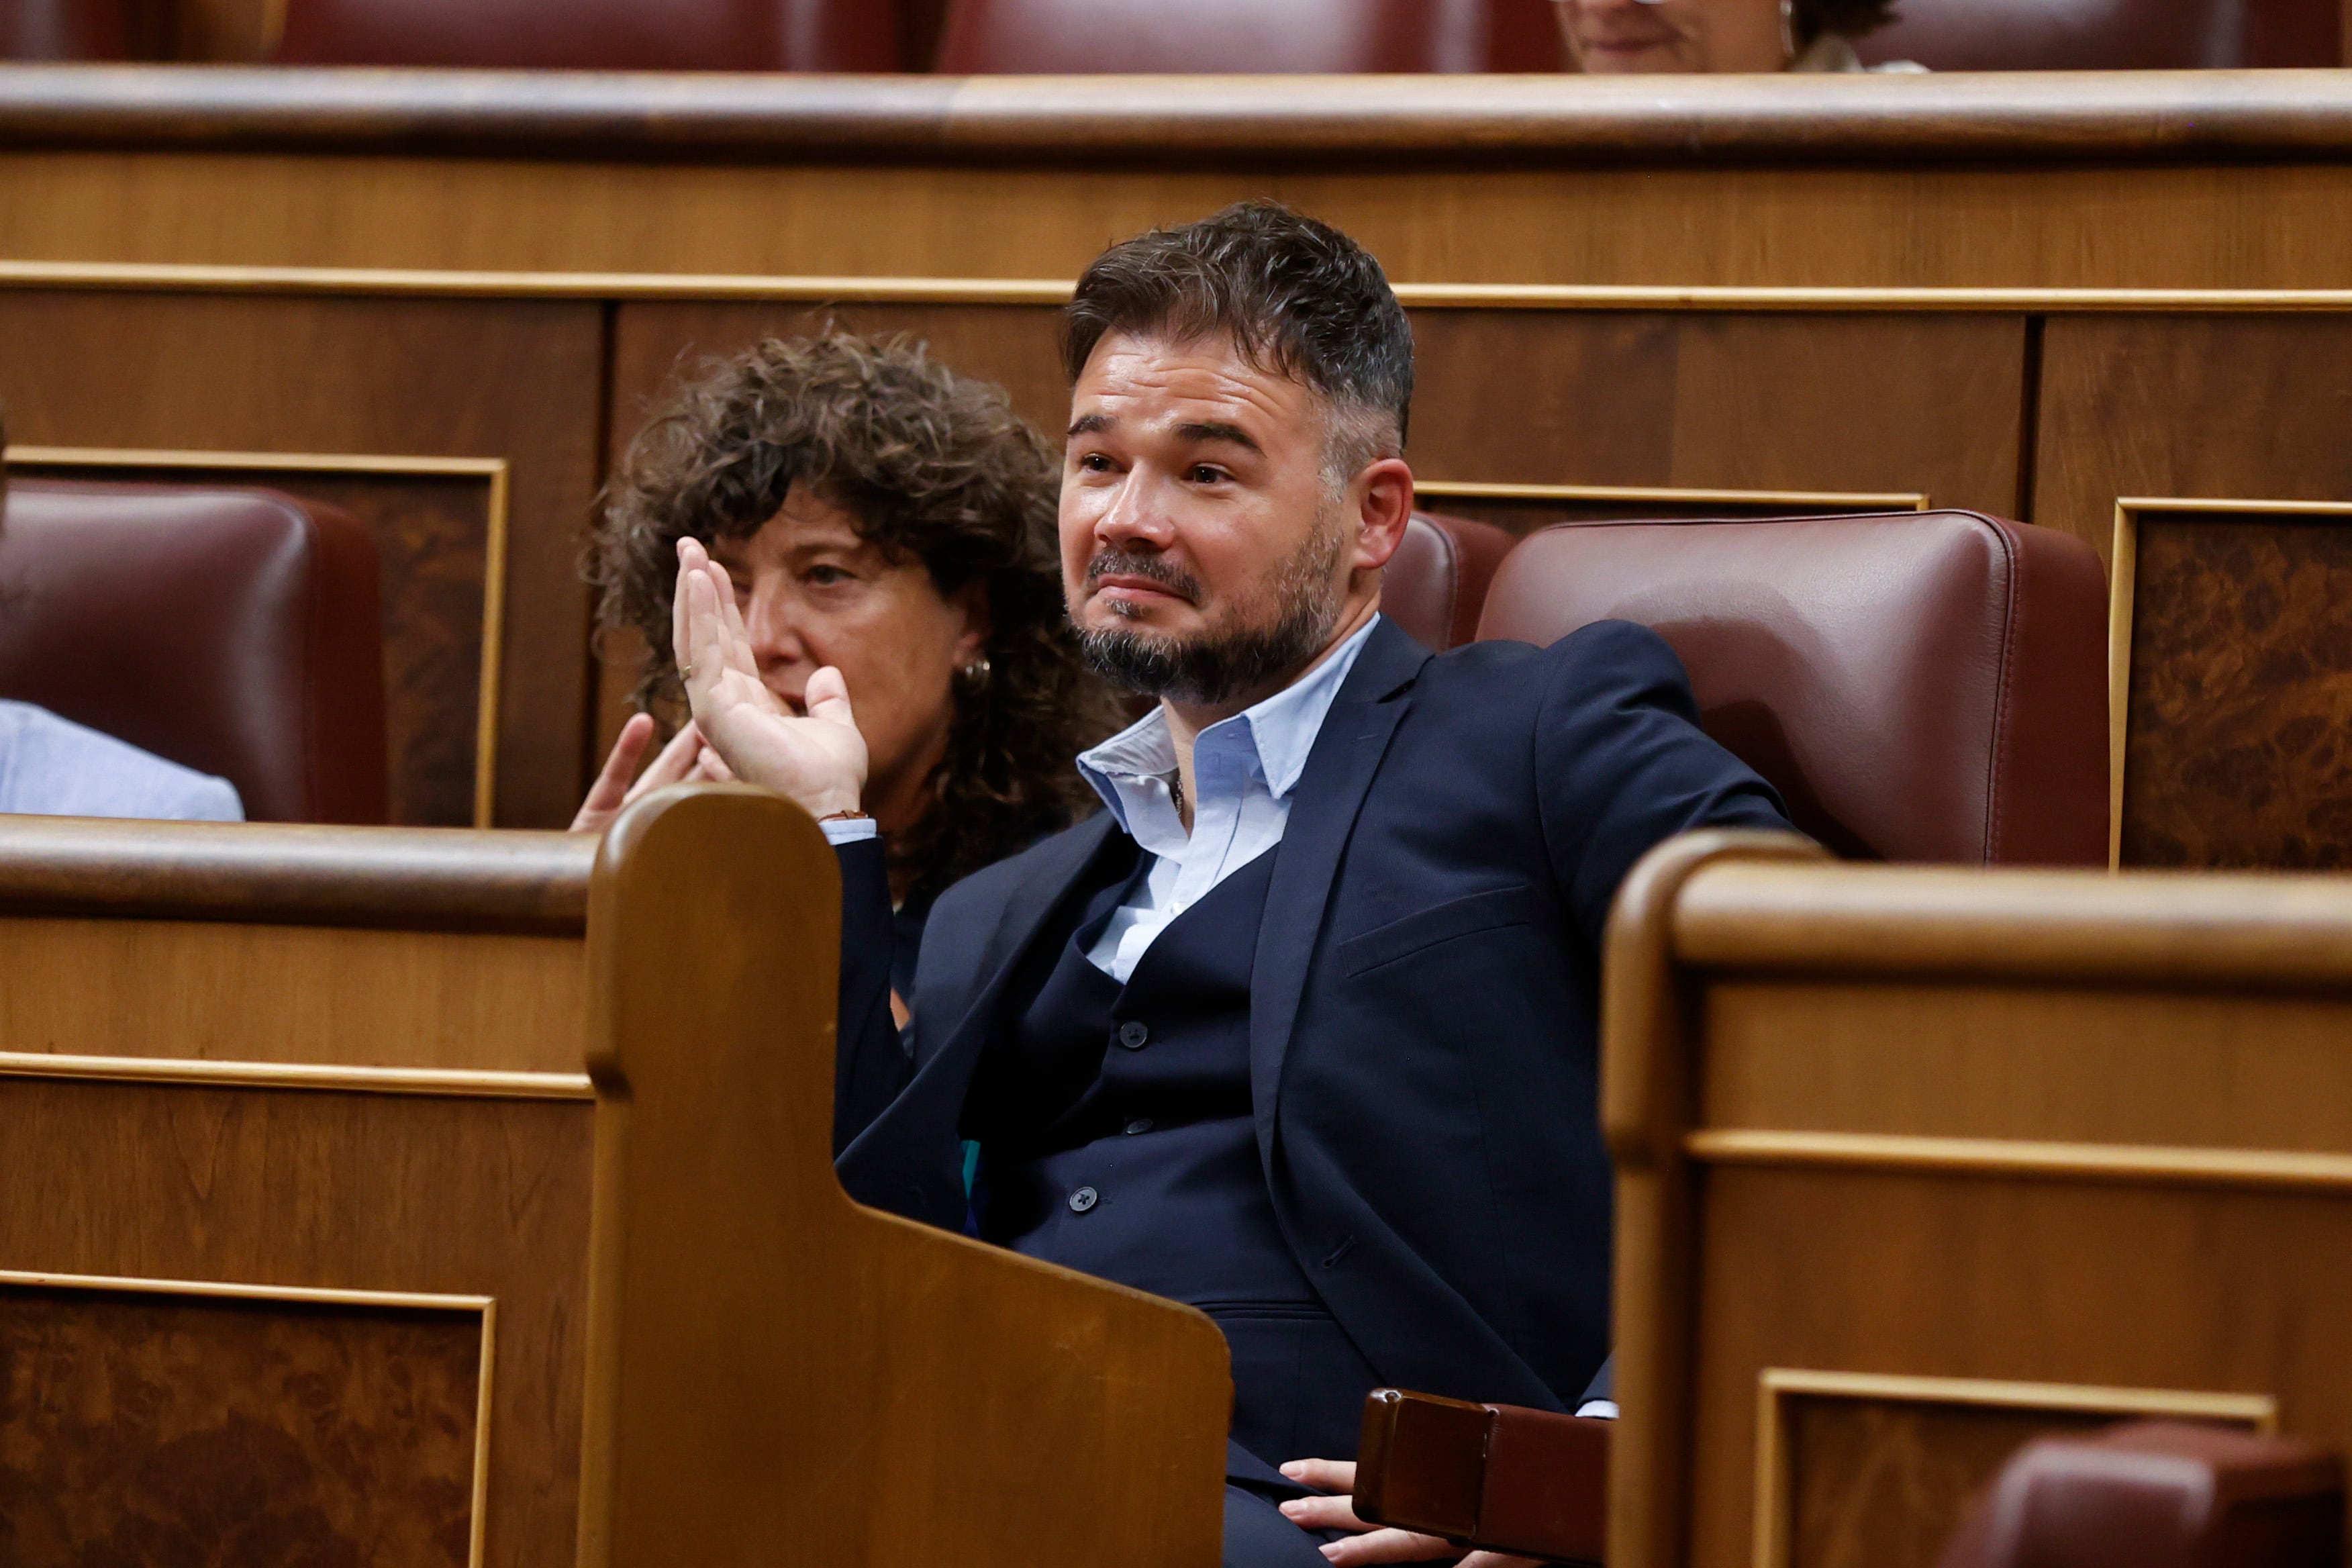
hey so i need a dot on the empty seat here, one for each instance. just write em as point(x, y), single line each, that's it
point(595, 35)
point(2108, 35)
point(1919, 685)
point(234, 631)
point(1244, 35)
point(1436, 582)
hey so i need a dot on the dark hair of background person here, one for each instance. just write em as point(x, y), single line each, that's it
point(1850, 18)
point(928, 464)
point(1294, 296)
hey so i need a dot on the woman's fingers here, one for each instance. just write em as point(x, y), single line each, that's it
point(712, 767)
point(738, 638)
point(1323, 1474)
point(674, 764)
point(611, 790)
point(828, 699)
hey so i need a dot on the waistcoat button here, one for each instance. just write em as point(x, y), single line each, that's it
point(1141, 1124)
point(1083, 1199)
point(1133, 1034)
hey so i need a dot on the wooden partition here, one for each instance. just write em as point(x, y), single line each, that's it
point(2032, 294)
point(1915, 1165)
point(454, 1198)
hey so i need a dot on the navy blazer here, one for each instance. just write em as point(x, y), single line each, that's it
point(1424, 1004)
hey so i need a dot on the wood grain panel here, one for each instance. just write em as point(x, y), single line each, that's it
point(145, 1427)
point(348, 998)
point(2240, 692)
point(2037, 1281)
point(432, 541)
point(2220, 406)
point(2219, 225)
point(2062, 1063)
point(445, 377)
point(340, 1191)
point(1723, 401)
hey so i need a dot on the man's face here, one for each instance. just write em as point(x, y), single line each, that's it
point(1204, 553)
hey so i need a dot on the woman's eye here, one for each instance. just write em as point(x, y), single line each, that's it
point(825, 576)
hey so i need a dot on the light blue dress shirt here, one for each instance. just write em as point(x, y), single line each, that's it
point(1243, 770)
point(53, 767)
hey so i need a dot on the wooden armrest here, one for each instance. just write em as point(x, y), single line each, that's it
point(1500, 1476)
point(2157, 1494)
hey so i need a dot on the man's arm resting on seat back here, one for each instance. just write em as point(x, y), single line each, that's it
point(1623, 764)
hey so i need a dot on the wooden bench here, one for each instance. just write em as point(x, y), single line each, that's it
point(461, 1198)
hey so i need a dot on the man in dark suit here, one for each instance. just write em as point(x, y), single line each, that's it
point(1302, 1029)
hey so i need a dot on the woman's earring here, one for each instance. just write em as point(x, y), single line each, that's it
point(975, 675)
point(1788, 29)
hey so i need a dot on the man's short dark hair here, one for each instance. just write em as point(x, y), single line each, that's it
point(1294, 297)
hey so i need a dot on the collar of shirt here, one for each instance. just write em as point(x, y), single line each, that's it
point(1132, 769)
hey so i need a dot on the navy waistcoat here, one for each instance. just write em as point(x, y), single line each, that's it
point(1144, 1168)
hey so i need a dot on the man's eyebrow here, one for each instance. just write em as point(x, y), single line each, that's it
point(1090, 424)
point(1217, 430)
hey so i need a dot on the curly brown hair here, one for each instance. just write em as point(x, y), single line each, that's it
point(928, 464)
point(1852, 18)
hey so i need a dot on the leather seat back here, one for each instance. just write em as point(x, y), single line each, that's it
point(235, 631)
point(1077, 36)
point(1919, 685)
point(2108, 35)
point(595, 35)
point(1435, 584)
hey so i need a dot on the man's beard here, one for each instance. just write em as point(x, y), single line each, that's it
point(1220, 663)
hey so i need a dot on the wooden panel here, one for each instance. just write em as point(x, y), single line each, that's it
point(1523, 514)
point(2157, 1292)
point(1880, 1484)
point(340, 997)
point(455, 377)
point(338, 1191)
point(1723, 401)
point(435, 534)
point(2198, 406)
point(2238, 690)
point(2233, 224)
point(146, 1427)
point(2193, 1067)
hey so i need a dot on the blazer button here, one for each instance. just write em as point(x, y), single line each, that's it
point(1141, 1124)
point(1132, 1034)
point(1083, 1199)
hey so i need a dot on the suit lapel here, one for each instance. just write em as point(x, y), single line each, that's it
point(1323, 810)
point(1061, 862)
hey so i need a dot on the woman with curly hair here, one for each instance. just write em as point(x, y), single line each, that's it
point(881, 515)
point(1610, 37)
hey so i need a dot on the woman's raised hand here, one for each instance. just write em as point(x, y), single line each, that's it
point(819, 761)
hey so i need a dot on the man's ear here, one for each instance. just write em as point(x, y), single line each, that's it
point(1385, 488)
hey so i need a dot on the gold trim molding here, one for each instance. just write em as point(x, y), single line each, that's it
point(401, 1300)
point(1858, 500)
point(1776, 1385)
point(494, 470)
point(2122, 585)
point(214, 279)
point(2261, 1168)
point(429, 1083)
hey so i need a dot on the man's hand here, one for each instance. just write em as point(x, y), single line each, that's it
point(686, 760)
point(818, 762)
point(1371, 1543)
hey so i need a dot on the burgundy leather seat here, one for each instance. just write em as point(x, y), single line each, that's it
point(596, 35)
point(235, 631)
point(1076, 36)
point(1920, 686)
point(2108, 35)
point(1436, 582)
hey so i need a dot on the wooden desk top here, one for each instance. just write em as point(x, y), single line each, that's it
point(1339, 122)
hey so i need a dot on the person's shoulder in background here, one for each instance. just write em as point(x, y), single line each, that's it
point(1833, 53)
point(53, 767)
